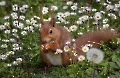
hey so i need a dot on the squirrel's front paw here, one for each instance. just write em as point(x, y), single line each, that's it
point(47, 46)
point(42, 47)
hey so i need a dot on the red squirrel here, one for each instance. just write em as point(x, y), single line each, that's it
point(54, 37)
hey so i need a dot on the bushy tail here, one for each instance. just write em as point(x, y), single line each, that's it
point(94, 38)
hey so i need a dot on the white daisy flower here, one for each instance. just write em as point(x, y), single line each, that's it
point(7, 31)
point(98, 16)
point(68, 42)
point(69, 3)
point(14, 15)
point(15, 63)
point(22, 9)
point(72, 13)
point(28, 22)
point(95, 55)
point(45, 10)
point(15, 23)
point(85, 48)
point(5, 40)
point(81, 58)
point(15, 45)
point(65, 7)
point(25, 6)
point(58, 51)
point(22, 17)
point(73, 28)
point(66, 14)
point(4, 57)
point(2, 27)
point(80, 33)
point(79, 22)
point(12, 40)
point(15, 7)
point(11, 52)
point(2, 3)
point(54, 8)
point(105, 26)
point(66, 48)
point(18, 60)
point(24, 33)
point(14, 30)
point(84, 18)
point(9, 65)
point(110, 7)
point(105, 20)
point(21, 25)
point(6, 17)
point(74, 7)
point(7, 24)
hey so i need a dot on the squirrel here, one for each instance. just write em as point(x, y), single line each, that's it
point(54, 37)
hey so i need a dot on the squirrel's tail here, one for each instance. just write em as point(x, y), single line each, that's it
point(94, 38)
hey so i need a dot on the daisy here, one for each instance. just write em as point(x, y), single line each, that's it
point(9, 65)
point(85, 48)
point(24, 33)
point(7, 24)
point(54, 8)
point(14, 30)
point(20, 25)
point(7, 31)
point(6, 17)
point(15, 7)
point(3, 57)
point(15, 45)
point(2, 27)
point(22, 9)
point(65, 7)
point(66, 14)
point(74, 7)
point(105, 20)
point(2, 3)
point(28, 22)
point(79, 22)
point(58, 51)
point(15, 23)
point(45, 10)
point(15, 63)
point(95, 55)
point(22, 17)
point(105, 26)
point(18, 60)
point(12, 40)
point(69, 3)
point(81, 58)
point(73, 28)
point(98, 16)
point(10, 52)
point(110, 7)
point(68, 42)
point(14, 15)
point(66, 48)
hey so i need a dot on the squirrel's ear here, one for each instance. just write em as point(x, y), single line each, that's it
point(52, 22)
point(41, 16)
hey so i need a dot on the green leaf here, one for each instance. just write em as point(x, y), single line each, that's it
point(114, 65)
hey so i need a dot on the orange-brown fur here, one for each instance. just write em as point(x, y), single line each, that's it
point(58, 38)
point(96, 36)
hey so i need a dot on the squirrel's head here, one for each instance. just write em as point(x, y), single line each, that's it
point(48, 31)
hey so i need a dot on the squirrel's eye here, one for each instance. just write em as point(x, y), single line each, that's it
point(50, 31)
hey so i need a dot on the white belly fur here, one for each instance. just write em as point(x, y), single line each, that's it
point(55, 59)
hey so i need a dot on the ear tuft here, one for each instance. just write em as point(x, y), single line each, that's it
point(52, 22)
